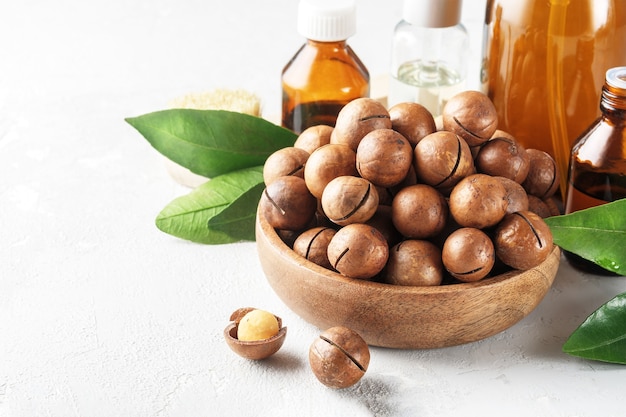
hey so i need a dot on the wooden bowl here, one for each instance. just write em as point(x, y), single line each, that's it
point(397, 316)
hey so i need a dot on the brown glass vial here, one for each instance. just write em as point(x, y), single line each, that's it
point(325, 73)
point(597, 168)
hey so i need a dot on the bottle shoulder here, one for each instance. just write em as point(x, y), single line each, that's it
point(603, 140)
point(326, 60)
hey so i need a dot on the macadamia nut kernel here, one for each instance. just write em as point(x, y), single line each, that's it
point(257, 325)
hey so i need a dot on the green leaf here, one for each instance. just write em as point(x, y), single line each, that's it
point(212, 142)
point(597, 234)
point(239, 218)
point(191, 216)
point(602, 336)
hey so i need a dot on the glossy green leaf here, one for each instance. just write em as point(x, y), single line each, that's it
point(212, 142)
point(597, 234)
point(602, 336)
point(191, 216)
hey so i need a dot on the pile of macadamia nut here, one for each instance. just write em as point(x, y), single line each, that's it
point(385, 195)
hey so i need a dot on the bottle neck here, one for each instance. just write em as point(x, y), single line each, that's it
point(326, 44)
point(613, 98)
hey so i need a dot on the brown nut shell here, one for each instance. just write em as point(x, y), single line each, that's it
point(471, 115)
point(479, 201)
point(442, 159)
point(285, 161)
point(384, 157)
point(287, 203)
point(538, 206)
point(419, 211)
point(313, 245)
point(515, 195)
point(523, 240)
point(543, 176)
point(468, 254)
point(503, 157)
point(412, 120)
point(339, 357)
point(326, 163)
point(414, 262)
point(254, 350)
point(349, 199)
point(356, 119)
point(358, 251)
point(313, 137)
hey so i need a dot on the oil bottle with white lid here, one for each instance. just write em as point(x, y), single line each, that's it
point(325, 73)
point(430, 52)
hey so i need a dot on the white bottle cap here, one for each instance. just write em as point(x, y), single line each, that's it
point(616, 77)
point(432, 13)
point(327, 20)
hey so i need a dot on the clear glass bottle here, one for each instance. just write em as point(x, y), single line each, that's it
point(325, 73)
point(597, 168)
point(429, 55)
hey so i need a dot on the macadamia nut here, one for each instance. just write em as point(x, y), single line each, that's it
point(358, 251)
point(349, 199)
point(339, 357)
point(384, 157)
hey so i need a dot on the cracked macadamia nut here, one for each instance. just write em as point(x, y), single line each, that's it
point(254, 334)
point(479, 201)
point(358, 251)
point(339, 357)
point(349, 199)
point(412, 120)
point(468, 254)
point(472, 116)
point(313, 245)
point(326, 163)
point(442, 159)
point(285, 161)
point(414, 262)
point(523, 240)
point(287, 203)
point(384, 157)
point(356, 119)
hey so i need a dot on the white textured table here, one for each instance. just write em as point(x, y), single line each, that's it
point(103, 315)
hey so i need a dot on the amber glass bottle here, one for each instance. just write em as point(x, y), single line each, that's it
point(544, 65)
point(325, 73)
point(597, 169)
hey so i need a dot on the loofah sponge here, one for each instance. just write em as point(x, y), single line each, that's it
point(240, 101)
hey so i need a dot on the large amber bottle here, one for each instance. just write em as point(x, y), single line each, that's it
point(597, 172)
point(325, 73)
point(544, 65)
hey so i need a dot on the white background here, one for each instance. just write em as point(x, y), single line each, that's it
point(103, 315)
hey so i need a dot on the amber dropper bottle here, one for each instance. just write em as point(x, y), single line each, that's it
point(597, 167)
point(325, 73)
